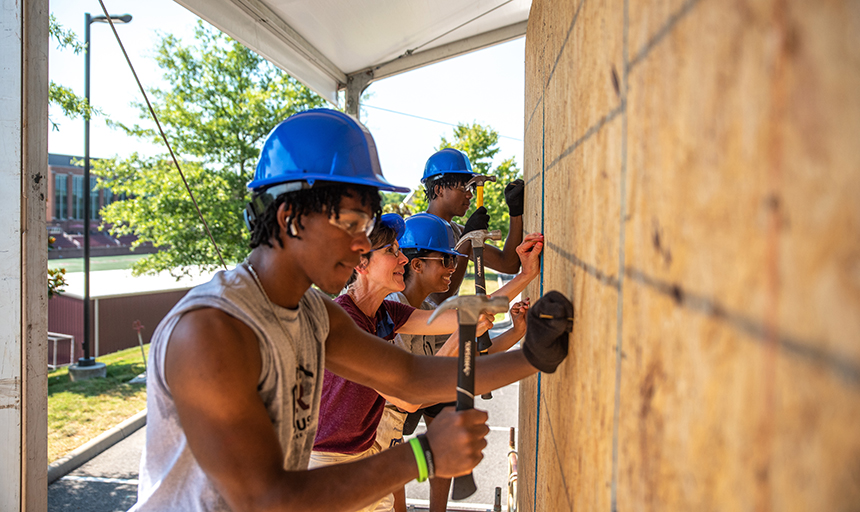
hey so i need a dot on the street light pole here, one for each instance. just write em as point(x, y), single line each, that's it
point(88, 360)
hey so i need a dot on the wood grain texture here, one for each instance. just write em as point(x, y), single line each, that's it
point(709, 173)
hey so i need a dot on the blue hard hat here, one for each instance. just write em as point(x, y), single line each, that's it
point(319, 144)
point(395, 222)
point(427, 231)
point(447, 161)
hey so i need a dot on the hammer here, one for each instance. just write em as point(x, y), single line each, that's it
point(478, 181)
point(469, 309)
point(477, 239)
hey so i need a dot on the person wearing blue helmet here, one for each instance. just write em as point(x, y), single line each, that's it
point(446, 177)
point(428, 244)
point(350, 411)
point(236, 367)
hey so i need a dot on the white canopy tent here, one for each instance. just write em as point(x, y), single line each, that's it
point(333, 45)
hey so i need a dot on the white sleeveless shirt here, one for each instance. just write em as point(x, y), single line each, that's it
point(289, 385)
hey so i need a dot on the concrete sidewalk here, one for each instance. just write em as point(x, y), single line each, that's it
point(94, 447)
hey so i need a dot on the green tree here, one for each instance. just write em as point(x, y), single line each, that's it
point(392, 198)
point(72, 106)
point(70, 103)
point(392, 202)
point(56, 276)
point(222, 101)
point(480, 143)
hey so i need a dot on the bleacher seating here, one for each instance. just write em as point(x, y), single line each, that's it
point(102, 240)
point(65, 240)
point(126, 239)
point(62, 241)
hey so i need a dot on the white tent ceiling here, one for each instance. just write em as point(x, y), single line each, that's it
point(326, 44)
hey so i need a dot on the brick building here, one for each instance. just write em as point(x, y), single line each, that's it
point(65, 212)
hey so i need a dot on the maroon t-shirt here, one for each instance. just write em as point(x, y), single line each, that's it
point(350, 412)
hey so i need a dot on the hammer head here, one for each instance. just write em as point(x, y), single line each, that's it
point(470, 307)
point(478, 237)
point(479, 179)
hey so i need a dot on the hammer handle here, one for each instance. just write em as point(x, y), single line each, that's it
point(466, 368)
point(480, 278)
point(464, 486)
point(484, 342)
point(479, 191)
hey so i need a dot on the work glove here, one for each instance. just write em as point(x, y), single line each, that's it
point(514, 195)
point(550, 319)
point(480, 220)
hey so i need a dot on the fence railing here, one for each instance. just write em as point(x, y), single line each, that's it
point(56, 337)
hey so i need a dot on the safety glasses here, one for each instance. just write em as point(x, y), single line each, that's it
point(391, 249)
point(448, 260)
point(463, 187)
point(354, 222)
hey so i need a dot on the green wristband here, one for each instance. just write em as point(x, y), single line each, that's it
point(419, 458)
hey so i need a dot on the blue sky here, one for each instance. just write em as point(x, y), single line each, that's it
point(485, 87)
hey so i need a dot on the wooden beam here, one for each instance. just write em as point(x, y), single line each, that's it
point(23, 244)
point(34, 256)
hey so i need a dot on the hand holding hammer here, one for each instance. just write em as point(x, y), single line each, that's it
point(469, 308)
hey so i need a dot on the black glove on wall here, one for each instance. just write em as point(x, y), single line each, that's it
point(514, 195)
point(546, 341)
point(478, 221)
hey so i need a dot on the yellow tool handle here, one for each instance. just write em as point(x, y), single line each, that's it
point(480, 192)
point(550, 316)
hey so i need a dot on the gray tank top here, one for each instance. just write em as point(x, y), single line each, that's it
point(420, 344)
point(289, 386)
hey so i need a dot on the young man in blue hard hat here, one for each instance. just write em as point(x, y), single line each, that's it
point(236, 367)
point(446, 175)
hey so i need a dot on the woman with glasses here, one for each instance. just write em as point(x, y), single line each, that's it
point(349, 412)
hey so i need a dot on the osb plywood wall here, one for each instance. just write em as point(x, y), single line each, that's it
point(695, 167)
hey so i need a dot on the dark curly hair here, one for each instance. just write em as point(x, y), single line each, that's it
point(323, 196)
point(449, 180)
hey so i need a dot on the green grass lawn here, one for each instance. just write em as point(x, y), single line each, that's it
point(96, 264)
point(491, 279)
point(80, 411)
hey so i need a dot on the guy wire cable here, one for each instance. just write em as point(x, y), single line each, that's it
point(163, 136)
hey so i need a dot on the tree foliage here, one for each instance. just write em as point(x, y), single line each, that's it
point(480, 143)
point(222, 101)
point(392, 202)
point(56, 276)
point(72, 106)
point(392, 198)
point(70, 103)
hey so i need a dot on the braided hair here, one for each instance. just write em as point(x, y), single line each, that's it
point(449, 180)
point(322, 197)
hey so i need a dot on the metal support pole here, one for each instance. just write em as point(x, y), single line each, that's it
point(355, 85)
point(87, 360)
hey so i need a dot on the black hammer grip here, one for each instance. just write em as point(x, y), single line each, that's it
point(484, 342)
point(464, 486)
